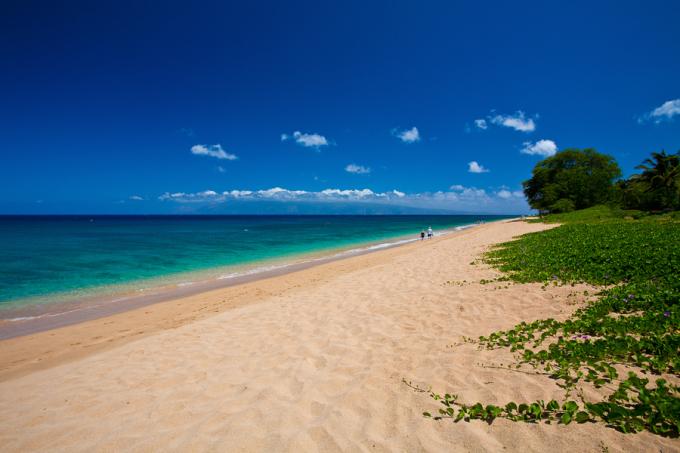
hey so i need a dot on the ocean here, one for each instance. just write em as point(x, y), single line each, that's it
point(46, 260)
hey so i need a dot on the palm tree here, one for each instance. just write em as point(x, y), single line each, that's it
point(661, 174)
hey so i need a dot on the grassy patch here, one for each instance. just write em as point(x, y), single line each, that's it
point(604, 213)
point(600, 213)
point(634, 325)
point(596, 253)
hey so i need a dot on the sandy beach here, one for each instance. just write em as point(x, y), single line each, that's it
point(308, 361)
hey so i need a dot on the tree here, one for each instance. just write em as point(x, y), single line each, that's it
point(571, 179)
point(660, 178)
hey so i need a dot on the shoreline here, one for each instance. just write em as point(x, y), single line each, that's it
point(56, 344)
point(313, 360)
point(89, 308)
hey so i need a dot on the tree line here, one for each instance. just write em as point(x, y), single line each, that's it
point(580, 178)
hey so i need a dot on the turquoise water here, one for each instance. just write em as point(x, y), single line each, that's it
point(53, 258)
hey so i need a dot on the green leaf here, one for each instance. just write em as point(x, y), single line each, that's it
point(582, 417)
point(570, 407)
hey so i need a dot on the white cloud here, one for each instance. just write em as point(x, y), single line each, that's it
point(238, 193)
point(306, 140)
point(518, 121)
point(349, 193)
point(665, 112)
point(472, 192)
point(279, 193)
point(215, 151)
point(408, 135)
point(481, 124)
point(466, 192)
point(474, 167)
point(459, 198)
point(183, 197)
point(357, 169)
point(544, 148)
point(506, 194)
point(221, 169)
point(136, 198)
point(668, 109)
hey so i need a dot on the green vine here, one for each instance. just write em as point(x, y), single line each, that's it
point(634, 326)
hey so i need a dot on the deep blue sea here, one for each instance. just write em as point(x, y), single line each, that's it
point(45, 259)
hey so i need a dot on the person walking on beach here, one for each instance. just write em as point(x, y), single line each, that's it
point(422, 235)
point(429, 233)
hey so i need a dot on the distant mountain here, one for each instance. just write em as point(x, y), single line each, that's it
point(246, 207)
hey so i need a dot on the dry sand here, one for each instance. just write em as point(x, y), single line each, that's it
point(310, 361)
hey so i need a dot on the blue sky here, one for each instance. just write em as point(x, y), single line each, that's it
point(148, 107)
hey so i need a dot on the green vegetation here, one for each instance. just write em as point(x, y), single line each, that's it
point(595, 214)
point(571, 179)
point(624, 342)
point(607, 213)
point(657, 188)
point(601, 253)
point(576, 179)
